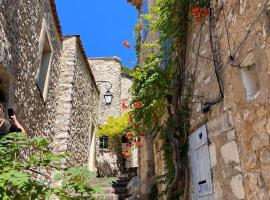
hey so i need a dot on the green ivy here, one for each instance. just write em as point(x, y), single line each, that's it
point(155, 78)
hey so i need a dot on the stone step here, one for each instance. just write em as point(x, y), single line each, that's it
point(111, 196)
point(116, 190)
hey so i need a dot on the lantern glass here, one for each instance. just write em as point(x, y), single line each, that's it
point(108, 97)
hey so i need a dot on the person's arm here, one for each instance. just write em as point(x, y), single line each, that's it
point(15, 121)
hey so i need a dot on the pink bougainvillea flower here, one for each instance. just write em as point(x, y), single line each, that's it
point(138, 104)
point(126, 44)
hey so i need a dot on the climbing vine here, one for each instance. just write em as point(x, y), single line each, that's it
point(161, 84)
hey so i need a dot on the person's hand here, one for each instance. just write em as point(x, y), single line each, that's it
point(13, 119)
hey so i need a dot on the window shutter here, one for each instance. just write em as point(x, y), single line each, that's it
point(202, 188)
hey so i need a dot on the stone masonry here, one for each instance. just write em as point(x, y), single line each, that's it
point(67, 113)
point(78, 104)
point(109, 69)
point(238, 125)
point(20, 29)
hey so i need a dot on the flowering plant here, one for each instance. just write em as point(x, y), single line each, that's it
point(137, 104)
point(129, 136)
point(126, 44)
point(124, 104)
point(138, 143)
point(126, 153)
point(200, 10)
point(199, 13)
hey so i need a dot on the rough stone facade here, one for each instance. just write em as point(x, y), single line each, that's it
point(20, 30)
point(67, 113)
point(109, 69)
point(237, 125)
point(78, 101)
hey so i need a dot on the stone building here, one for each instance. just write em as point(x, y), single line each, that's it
point(108, 153)
point(229, 146)
point(46, 78)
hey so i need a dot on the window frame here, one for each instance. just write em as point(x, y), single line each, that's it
point(250, 81)
point(44, 34)
point(103, 142)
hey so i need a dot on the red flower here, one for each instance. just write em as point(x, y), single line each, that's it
point(129, 136)
point(124, 106)
point(140, 26)
point(199, 13)
point(126, 44)
point(138, 144)
point(128, 145)
point(126, 154)
point(195, 11)
point(142, 135)
point(138, 104)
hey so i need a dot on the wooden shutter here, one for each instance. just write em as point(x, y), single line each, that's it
point(202, 188)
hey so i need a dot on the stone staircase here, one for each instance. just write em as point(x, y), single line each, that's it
point(117, 190)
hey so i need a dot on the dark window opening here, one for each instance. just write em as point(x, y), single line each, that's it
point(104, 142)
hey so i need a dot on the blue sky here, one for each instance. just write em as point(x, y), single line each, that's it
point(103, 26)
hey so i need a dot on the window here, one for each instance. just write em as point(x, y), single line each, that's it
point(103, 142)
point(200, 163)
point(44, 68)
point(250, 81)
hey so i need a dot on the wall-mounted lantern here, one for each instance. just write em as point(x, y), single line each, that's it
point(108, 96)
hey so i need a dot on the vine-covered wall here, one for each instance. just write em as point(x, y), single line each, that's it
point(238, 125)
point(222, 55)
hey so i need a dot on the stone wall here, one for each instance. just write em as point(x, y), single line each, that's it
point(238, 126)
point(77, 104)
point(69, 112)
point(108, 69)
point(20, 31)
